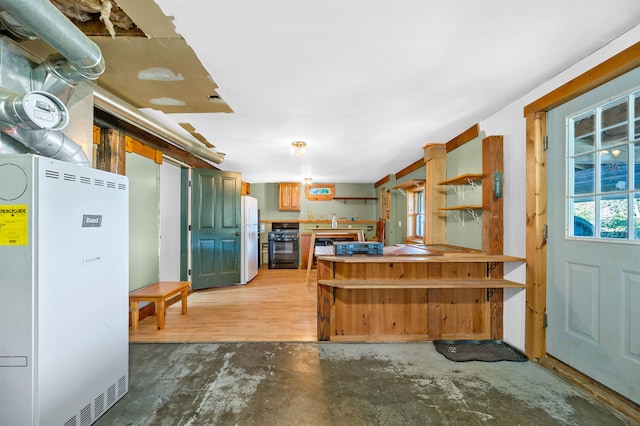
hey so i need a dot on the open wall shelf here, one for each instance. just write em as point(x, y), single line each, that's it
point(344, 199)
point(465, 179)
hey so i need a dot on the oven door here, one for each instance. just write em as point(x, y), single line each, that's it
point(283, 254)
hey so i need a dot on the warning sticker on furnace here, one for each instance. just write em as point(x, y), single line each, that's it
point(14, 225)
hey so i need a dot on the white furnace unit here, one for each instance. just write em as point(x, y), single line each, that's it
point(64, 245)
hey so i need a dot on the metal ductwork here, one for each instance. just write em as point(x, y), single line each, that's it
point(79, 60)
point(50, 143)
point(84, 58)
point(35, 120)
point(127, 112)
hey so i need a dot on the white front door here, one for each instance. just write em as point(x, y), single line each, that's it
point(593, 244)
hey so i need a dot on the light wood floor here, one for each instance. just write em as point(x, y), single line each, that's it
point(276, 306)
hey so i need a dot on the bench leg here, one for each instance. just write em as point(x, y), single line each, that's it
point(135, 315)
point(160, 306)
point(184, 295)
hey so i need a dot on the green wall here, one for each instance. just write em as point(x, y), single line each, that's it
point(462, 228)
point(144, 221)
point(267, 196)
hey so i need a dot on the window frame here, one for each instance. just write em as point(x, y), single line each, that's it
point(627, 193)
point(415, 196)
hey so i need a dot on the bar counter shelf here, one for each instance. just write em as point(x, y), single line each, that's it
point(412, 292)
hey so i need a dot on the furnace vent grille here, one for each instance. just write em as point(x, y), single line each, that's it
point(98, 405)
point(85, 416)
point(52, 174)
point(122, 385)
point(69, 177)
point(111, 395)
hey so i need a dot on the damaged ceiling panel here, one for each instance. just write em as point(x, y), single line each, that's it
point(148, 64)
point(107, 12)
point(158, 73)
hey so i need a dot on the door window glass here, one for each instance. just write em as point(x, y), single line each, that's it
point(603, 160)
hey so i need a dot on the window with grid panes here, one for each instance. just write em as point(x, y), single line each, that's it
point(415, 214)
point(603, 163)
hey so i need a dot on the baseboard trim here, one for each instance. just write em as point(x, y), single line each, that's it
point(625, 407)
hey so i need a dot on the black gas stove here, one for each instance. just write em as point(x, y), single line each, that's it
point(283, 245)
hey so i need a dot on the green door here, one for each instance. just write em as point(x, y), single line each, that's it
point(215, 228)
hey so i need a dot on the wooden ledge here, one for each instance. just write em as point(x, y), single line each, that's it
point(422, 283)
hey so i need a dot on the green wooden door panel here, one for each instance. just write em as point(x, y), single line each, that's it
point(215, 228)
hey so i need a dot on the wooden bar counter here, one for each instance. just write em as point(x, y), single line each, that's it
point(411, 293)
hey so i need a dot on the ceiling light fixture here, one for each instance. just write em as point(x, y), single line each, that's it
point(298, 148)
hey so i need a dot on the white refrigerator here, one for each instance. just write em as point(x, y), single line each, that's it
point(249, 240)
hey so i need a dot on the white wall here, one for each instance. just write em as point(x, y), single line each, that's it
point(510, 123)
point(169, 222)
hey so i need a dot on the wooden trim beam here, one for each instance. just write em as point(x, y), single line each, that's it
point(132, 145)
point(410, 168)
point(614, 67)
point(382, 181)
point(464, 137)
point(105, 120)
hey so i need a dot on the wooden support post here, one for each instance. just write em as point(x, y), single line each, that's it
point(536, 299)
point(111, 154)
point(324, 302)
point(435, 157)
point(357, 234)
point(492, 222)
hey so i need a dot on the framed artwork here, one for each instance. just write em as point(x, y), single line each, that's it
point(320, 191)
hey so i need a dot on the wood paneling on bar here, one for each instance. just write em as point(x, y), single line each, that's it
point(372, 298)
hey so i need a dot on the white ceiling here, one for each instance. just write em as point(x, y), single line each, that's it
point(368, 83)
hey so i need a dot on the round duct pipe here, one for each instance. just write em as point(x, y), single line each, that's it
point(44, 20)
point(34, 110)
point(127, 112)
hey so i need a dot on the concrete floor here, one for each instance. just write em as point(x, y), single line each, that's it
point(341, 384)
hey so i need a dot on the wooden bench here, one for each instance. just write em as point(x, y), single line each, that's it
point(158, 293)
